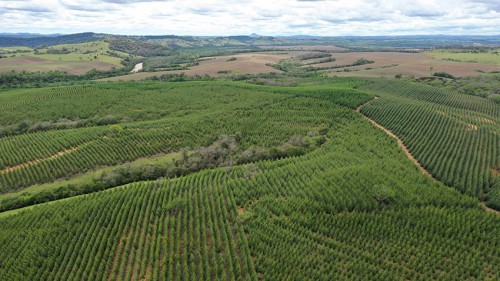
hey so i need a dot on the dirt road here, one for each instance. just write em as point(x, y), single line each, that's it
point(405, 149)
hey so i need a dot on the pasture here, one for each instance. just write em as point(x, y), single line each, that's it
point(490, 57)
point(385, 64)
point(72, 58)
point(246, 63)
point(388, 64)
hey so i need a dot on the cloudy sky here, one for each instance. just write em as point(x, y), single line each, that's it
point(267, 17)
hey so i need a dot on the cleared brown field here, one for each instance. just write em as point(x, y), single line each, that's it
point(387, 64)
point(29, 63)
point(248, 63)
point(408, 64)
point(305, 48)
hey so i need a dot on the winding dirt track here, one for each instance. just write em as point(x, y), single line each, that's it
point(405, 149)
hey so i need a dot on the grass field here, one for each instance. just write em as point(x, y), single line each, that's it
point(487, 57)
point(74, 58)
point(388, 64)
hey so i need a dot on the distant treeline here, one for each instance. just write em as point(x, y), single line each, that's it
point(24, 79)
point(139, 48)
point(9, 41)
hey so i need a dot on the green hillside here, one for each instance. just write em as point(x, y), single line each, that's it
point(268, 183)
point(455, 136)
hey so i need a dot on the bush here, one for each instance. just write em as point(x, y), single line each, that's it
point(444, 75)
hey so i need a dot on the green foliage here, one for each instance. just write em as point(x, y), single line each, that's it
point(344, 203)
point(116, 129)
point(456, 137)
point(360, 61)
point(25, 79)
point(139, 48)
point(444, 75)
point(225, 223)
point(486, 86)
point(383, 194)
point(317, 55)
point(174, 61)
point(161, 118)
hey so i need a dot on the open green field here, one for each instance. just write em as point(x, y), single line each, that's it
point(73, 58)
point(220, 180)
point(485, 57)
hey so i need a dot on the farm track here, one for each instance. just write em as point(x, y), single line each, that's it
point(406, 150)
point(37, 161)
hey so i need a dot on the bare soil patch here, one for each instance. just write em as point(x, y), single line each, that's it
point(388, 64)
point(305, 48)
point(246, 63)
point(28, 63)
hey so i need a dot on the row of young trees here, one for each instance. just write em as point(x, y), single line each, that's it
point(264, 119)
point(456, 137)
point(355, 209)
point(163, 231)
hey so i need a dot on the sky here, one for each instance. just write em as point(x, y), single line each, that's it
point(265, 17)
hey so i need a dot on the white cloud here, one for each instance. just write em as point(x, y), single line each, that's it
point(231, 17)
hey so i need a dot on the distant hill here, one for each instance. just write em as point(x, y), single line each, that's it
point(33, 40)
point(251, 41)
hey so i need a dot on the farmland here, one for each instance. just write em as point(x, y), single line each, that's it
point(388, 64)
point(456, 137)
point(72, 58)
point(249, 158)
point(244, 166)
point(246, 63)
point(491, 57)
point(385, 64)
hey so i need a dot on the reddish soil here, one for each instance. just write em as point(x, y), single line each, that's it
point(29, 63)
point(247, 63)
point(36, 161)
point(489, 210)
point(305, 48)
point(408, 64)
point(399, 141)
point(117, 254)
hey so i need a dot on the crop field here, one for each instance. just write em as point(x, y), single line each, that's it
point(222, 180)
point(456, 137)
point(72, 58)
point(60, 143)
